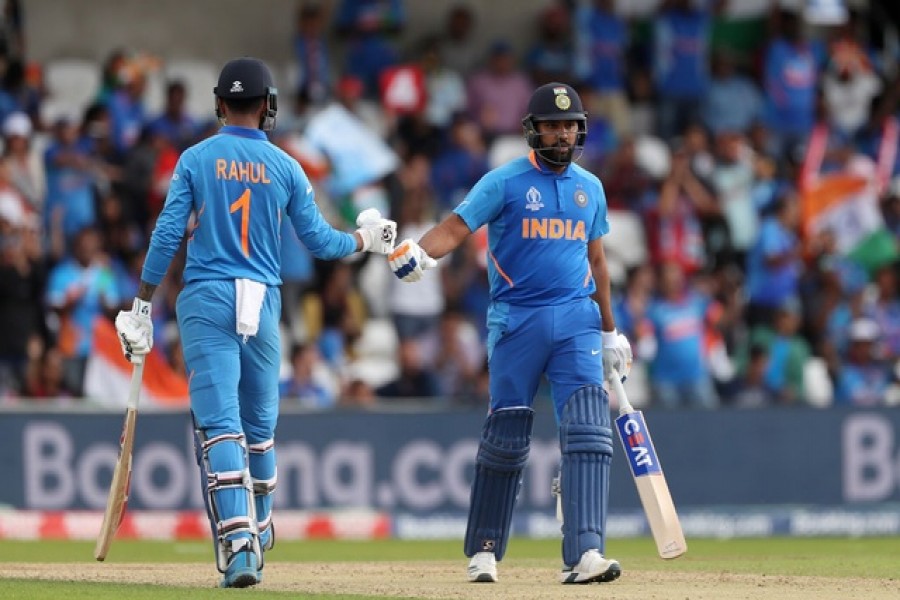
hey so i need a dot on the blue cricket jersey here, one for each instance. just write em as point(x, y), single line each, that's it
point(539, 226)
point(239, 185)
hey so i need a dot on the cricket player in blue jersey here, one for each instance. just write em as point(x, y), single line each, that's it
point(238, 187)
point(550, 314)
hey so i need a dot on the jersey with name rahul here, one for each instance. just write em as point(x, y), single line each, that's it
point(239, 185)
point(539, 225)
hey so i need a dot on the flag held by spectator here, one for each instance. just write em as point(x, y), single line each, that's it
point(108, 374)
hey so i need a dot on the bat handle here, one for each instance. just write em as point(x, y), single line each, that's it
point(615, 381)
point(134, 390)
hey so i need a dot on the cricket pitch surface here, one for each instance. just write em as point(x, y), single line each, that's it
point(447, 580)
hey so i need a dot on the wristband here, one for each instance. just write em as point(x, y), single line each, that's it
point(609, 338)
point(366, 237)
point(141, 307)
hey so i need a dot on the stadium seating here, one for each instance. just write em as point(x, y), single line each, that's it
point(72, 84)
point(506, 148)
point(625, 245)
point(199, 78)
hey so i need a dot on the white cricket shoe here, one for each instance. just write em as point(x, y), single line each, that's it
point(591, 568)
point(483, 568)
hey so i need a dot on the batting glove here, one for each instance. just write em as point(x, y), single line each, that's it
point(409, 261)
point(617, 355)
point(135, 331)
point(377, 233)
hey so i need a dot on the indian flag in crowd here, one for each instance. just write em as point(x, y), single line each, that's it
point(846, 203)
point(108, 375)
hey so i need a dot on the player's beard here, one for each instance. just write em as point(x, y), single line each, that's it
point(559, 154)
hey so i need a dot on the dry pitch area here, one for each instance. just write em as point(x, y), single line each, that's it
point(446, 580)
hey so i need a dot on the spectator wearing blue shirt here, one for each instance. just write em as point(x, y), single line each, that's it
point(885, 306)
point(732, 102)
point(460, 164)
point(69, 164)
point(681, 52)
point(790, 79)
point(16, 94)
point(679, 374)
point(80, 289)
point(126, 109)
point(863, 379)
point(309, 385)
point(368, 56)
point(312, 54)
point(601, 44)
point(386, 16)
point(774, 264)
point(550, 58)
point(368, 23)
point(787, 352)
point(175, 124)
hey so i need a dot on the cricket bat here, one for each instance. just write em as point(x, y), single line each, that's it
point(648, 476)
point(118, 489)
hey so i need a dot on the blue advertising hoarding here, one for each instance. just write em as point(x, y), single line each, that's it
point(422, 463)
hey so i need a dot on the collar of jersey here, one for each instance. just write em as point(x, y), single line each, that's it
point(246, 132)
point(540, 167)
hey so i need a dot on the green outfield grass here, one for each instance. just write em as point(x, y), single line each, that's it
point(823, 557)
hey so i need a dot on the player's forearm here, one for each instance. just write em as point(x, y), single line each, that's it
point(444, 237)
point(602, 296)
point(145, 291)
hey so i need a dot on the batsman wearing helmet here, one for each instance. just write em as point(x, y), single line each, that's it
point(238, 186)
point(550, 314)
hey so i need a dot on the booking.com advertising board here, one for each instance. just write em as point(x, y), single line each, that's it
point(747, 471)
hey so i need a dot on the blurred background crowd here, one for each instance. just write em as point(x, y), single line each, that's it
point(750, 165)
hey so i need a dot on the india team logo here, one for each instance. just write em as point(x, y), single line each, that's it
point(533, 200)
point(562, 100)
point(581, 198)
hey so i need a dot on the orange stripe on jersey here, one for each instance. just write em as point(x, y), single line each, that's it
point(400, 251)
point(587, 278)
point(196, 221)
point(499, 270)
point(532, 158)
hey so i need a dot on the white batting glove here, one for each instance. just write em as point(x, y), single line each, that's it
point(377, 233)
point(616, 354)
point(135, 331)
point(409, 261)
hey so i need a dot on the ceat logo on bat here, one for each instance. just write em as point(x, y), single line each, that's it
point(638, 447)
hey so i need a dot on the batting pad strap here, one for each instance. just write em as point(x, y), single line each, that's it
point(261, 447)
point(234, 525)
point(225, 437)
point(264, 487)
point(502, 455)
point(264, 524)
point(225, 479)
point(585, 439)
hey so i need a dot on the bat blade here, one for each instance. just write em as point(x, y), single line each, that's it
point(651, 485)
point(660, 510)
point(121, 480)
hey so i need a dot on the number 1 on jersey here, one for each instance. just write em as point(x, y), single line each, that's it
point(243, 204)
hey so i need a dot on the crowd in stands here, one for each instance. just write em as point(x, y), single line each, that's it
point(757, 176)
